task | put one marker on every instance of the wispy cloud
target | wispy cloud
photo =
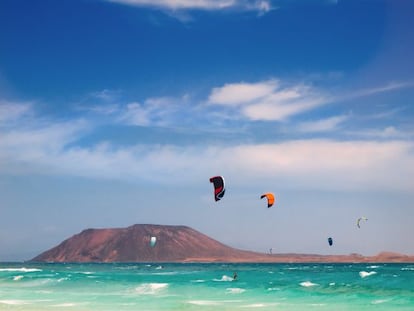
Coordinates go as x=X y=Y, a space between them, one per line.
x=104 y=102
x=328 y=164
x=389 y=132
x=268 y=100
x=389 y=87
x=236 y=94
x=50 y=147
x=386 y=114
x=322 y=125
x=261 y=6
x=11 y=111
x=306 y=164
x=276 y=100
x=161 y=111
x=30 y=149
x=106 y=95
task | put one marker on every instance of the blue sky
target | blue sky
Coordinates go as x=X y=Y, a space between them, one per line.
x=118 y=112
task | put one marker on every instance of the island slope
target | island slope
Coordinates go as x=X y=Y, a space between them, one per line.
x=175 y=244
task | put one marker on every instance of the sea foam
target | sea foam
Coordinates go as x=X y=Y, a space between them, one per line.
x=203 y=302
x=235 y=290
x=308 y=284
x=224 y=278
x=65 y=305
x=150 y=288
x=19 y=270
x=379 y=301
x=261 y=305
x=13 y=302
x=364 y=274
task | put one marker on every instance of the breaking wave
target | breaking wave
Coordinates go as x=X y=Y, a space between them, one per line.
x=308 y=284
x=19 y=270
x=364 y=274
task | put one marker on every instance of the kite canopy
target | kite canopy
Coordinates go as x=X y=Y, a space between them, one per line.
x=218 y=182
x=153 y=241
x=270 y=198
x=330 y=241
x=359 y=221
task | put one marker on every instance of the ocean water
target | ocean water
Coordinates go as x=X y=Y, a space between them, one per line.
x=168 y=286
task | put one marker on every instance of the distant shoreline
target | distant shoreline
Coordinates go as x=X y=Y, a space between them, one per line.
x=304 y=258
x=383 y=258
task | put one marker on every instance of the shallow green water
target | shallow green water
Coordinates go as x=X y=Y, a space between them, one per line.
x=206 y=286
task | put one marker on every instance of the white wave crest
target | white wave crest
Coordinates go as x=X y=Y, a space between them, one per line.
x=13 y=302
x=261 y=305
x=307 y=284
x=256 y=305
x=379 y=301
x=364 y=274
x=19 y=270
x=235 y=290
x=203 y=302
x=224 y=278
x=18 y=277
x=65 y=305
x=150 y=288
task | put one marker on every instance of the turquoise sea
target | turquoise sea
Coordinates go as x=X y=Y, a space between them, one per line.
x=168 y=286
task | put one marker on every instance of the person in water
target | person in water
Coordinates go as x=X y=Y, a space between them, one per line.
x=234 y=276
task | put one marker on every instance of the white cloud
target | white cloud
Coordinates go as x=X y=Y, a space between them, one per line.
x=389 y=87
x=265 y=100
x=385 y=114
x=274 y=100
x=299 y=164
x=322 y=125
x=105 y=109
x=236 y=94
x=260 y=5
x=389 y=132
x=50 y=147
x=10 y=111
x=135 y=114
x=157 y=111
x=106 y=95
x=268 y=100
x=104 y=102
x=271 y=110
x=326 y=164
x=29 y=149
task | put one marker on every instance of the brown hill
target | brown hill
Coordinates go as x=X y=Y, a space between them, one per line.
x=132 y=244
x=175 y=244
